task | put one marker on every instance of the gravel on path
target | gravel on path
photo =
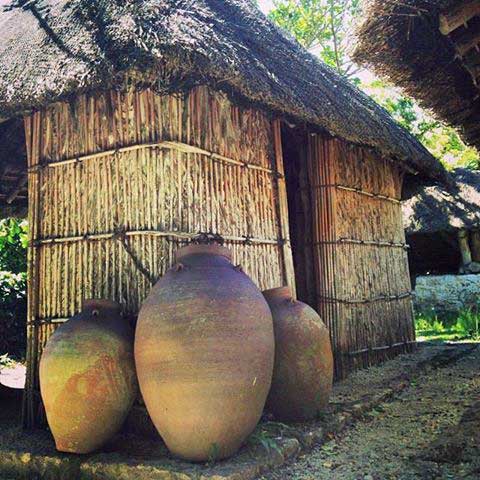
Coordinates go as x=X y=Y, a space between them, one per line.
x=431 y=430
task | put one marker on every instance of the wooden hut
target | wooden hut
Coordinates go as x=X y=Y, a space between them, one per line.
x=147 y=123
x=443 y=232
x=443 y=228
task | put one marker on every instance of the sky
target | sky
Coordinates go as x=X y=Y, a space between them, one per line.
x=265 y=5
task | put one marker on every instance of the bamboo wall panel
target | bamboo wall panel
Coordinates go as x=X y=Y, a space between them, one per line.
x=360 y=259
x=119 y=181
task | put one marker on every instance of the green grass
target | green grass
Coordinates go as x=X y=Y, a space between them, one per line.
x=464 y=326
x=6 y=361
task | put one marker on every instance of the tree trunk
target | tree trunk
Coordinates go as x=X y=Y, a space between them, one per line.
x=464 y=247
x=475 y=245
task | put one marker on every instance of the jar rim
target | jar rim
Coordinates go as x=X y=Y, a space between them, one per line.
x=278 y=292
x=197 y=249
x=100 y=303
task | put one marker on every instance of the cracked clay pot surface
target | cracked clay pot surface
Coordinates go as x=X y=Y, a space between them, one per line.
x=87 y=377
x=303 y=371
x=204 y=351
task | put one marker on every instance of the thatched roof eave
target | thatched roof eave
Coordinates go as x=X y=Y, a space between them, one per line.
x=433 y=210
x=401 y=41
x=51 y=49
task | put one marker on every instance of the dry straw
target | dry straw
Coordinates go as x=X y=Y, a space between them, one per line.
x=352 y=248
x=118 y=181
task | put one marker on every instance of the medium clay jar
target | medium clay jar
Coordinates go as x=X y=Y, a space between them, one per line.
x=87 y=377
x=204 y=351
x=303 y=371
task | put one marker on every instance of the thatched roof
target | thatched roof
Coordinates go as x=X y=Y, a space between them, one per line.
x=431 y=209
x=51 y=49
x=402 y=40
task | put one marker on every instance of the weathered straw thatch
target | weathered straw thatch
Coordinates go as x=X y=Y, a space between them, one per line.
x=432 y=209
x=51 y=49
x=430 y=49
x=443 y=229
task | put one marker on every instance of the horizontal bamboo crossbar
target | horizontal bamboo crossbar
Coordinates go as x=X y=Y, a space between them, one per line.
x=47 y=321
x=166 y=145
x=383 y=298
x=354 y=241
x=382 y=348
x=378 y=196
x=155 y=233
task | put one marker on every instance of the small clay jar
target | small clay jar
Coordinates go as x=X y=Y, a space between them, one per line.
x=204 y=352
x=87 y=377
x=303 y=371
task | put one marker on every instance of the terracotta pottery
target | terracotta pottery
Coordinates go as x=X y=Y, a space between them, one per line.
x=303 y=371
x=87 y=377
x=204 y=350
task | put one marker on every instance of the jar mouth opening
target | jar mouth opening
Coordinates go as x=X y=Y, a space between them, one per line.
x=102 y=303
x=278 y=292
x=197 y=249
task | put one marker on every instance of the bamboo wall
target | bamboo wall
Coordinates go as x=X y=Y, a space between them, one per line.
x=118 y=181
x=352 y=245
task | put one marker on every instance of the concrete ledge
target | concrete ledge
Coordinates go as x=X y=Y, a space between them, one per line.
x=446 y=294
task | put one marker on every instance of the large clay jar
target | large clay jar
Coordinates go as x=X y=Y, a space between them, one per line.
x=204 y=351
x=303 y=371
x=87 y=377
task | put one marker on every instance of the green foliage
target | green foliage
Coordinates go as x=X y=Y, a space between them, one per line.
x=425 y=322
x=13 y=312
x=13 y=301
x=441 y=140
x=6 y=361
x=13 y=245
x=267 y=434
x=468 y=323
x=465 y=325
x=265 y=440
x=321 y=26
x=213 y=454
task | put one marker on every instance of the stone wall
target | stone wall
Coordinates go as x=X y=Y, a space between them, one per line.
x=446 y=293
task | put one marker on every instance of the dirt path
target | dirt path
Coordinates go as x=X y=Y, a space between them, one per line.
x=430 y=431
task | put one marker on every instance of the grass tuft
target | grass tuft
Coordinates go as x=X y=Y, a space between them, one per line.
x=463 y=326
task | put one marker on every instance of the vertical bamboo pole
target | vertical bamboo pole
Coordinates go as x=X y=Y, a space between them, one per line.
x=30 y=400
x=287 y=259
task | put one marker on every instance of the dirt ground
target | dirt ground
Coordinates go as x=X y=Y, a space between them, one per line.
x=431 y=430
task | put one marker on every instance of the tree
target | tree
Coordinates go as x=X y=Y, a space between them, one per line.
x=13 y=301
x=441 y=140
x=321 y=26
x=13 y=245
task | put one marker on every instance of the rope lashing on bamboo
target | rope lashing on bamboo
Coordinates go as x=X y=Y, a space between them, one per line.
x=383 y=298
x=177 y=146
x=379 y=349
x=155 y=233
x=208 y=238
x=378 y=196
x=377 y=243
